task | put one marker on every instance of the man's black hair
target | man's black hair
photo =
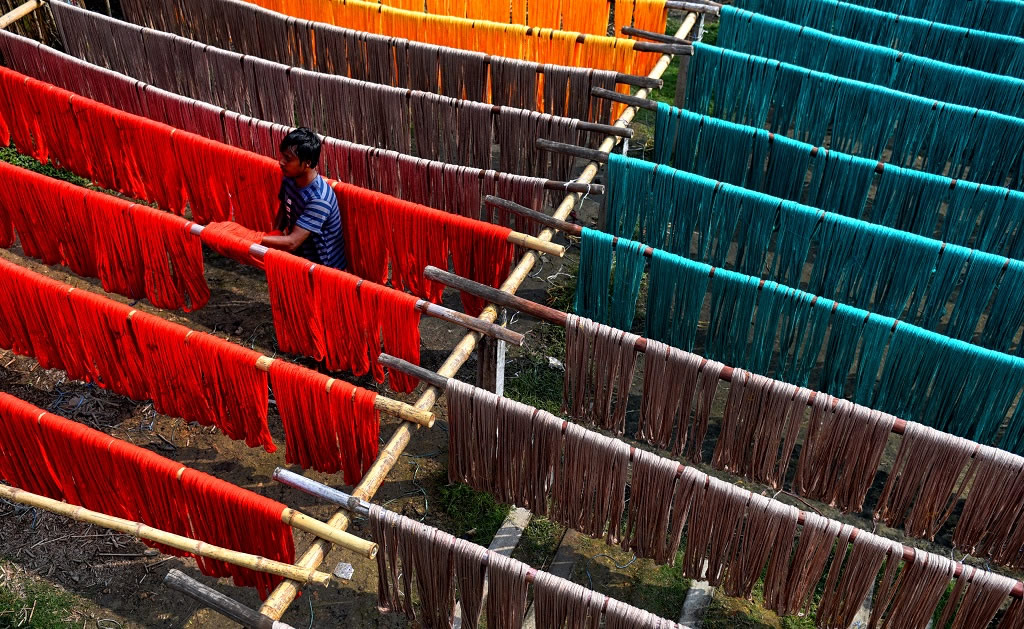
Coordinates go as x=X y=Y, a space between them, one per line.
x=305 y=144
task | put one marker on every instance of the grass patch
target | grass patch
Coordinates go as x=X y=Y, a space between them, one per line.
x=36 y=606
x=11 y=155
x=539 y=543
x=661 y=590
x=473 y=515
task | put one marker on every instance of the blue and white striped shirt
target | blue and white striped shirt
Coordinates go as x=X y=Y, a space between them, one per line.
x=315 y=209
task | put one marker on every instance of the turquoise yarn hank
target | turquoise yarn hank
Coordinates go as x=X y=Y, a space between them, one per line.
x=995 y=16
x=594 y=276
x=989 y=218
x=675 y=298
x=869 y=266
x=807 y=47
x=857 y=117
x=970 y=47
x=629 y=272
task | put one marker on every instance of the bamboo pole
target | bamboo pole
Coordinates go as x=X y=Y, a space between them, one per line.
x=344 y=539
x=19 y=12
x=430 y=309
x=285 y=593
x=143 y=531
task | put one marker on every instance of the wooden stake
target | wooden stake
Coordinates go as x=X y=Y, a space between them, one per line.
x=642 y=103
x=542 y=218
x=225 y=606
x=658 y=37
x=19 y=12
x=143 y=531
x=285 y=593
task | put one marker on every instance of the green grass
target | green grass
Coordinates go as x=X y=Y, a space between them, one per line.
x=10 y=155
x=473 y=515
x=539 y=543
x=37 y=606
x=661 y=590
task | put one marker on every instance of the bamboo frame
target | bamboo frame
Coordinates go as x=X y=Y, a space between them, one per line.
x=285 y=593
x=143 y=531
x=19 y=12
x=225 y=606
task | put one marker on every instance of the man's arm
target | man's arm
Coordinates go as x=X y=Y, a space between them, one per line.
x=287 y=242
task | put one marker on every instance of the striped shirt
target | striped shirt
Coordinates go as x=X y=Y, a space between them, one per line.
x=315 y=209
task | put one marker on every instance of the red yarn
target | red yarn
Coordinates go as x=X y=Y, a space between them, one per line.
x=137 y=156
x=381 y=229
x=297 y=318
x=92 y=339
x=52 y=456
x=334 y=316
x=327 y=431
x=135 y=250
x=232 y=240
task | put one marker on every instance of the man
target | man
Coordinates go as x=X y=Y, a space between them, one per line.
x=308 y=220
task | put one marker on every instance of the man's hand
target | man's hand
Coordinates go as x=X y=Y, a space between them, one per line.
x=287 y=242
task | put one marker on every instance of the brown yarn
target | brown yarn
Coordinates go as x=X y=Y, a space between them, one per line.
x=788 y=589
x=472 y=436
x=1014 y=616
x=670 y=380
x=840 y=454
x=923 y=486
x=425 y=553
x=991 y=522
x=912 y=599
x=506 y=592
x=589 y=491
x=766 y=538
x=852 y=575
x=759 y=428
x=558 y=602
x=659 y=500
x=599 y=362
x=707 y=387
x=985 y=594
x=531 y=444
x=470 y=563
x=715 y=514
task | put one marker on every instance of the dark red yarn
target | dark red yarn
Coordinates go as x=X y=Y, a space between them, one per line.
x=334 y=316
x=380 y=229
x=135 y=250
x=52 y=456
x=327 y=431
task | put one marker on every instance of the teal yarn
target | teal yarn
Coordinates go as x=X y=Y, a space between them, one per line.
x=858 y=118
x=1000 y=331
x=629 y=272
x=595 y=274
x=890 y=272
x=598 y=258
x=919 y=375
x=989 y=218
x=675 y=298
x=994 y=16
x=970 y=46
x=807 y=47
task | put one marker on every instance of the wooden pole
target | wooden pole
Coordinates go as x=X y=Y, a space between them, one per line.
x=143 y=531
x=313 y=488
x=548 y=221
x=285 y=593
x=570 y=186
x=595 y=155
x=223 y=605
x=658 y=37
x=19 y=12
x=642 y=103
x=432 y=310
